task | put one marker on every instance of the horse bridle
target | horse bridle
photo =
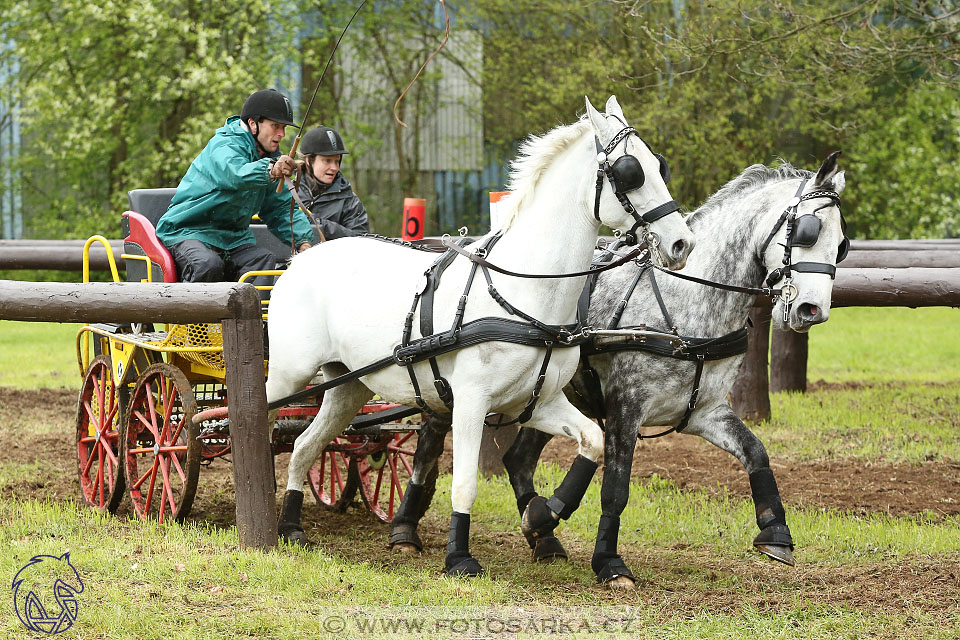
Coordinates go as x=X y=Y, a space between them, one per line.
x=802 y=231
x=626 y=175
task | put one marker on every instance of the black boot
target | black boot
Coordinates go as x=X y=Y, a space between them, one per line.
x=288 y=527
x=403 y=527
x=607 y=563
x=541 y=516
x=459 y=562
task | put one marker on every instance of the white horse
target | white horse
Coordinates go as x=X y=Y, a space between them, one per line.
x=341 y=306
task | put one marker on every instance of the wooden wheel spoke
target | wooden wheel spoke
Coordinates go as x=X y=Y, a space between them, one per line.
x=176 y=465
x=167 y=487
x=142 y=479
x=153 y=481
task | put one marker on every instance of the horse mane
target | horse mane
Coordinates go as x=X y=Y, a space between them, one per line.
x=753 y=177
x=535 y=156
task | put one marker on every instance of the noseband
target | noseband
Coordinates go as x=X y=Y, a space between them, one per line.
x=626 y=175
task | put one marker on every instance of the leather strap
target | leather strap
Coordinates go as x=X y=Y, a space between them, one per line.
x=473 y=257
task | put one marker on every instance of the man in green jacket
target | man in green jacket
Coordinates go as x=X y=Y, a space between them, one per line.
x=207 y=226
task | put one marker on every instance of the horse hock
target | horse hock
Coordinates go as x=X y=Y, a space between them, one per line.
x=542 y=515
x=459 y=562
x=288 y=526
x=774 y=538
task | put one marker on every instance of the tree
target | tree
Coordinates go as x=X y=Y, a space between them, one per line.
x=117 y=95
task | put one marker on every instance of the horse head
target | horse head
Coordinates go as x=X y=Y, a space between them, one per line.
x=631 y=191
x=801 y=253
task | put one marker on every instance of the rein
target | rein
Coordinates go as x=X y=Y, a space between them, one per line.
x=479 y=259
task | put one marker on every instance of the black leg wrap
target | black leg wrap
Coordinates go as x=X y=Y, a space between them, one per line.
x=405 y=533
x=410 y=505
x=288 y=526
x=403 y=527
x=766 y=498
x=548 y=549
x=459 y=562
x=606 y=562
x=566 y=498
x=771 y=517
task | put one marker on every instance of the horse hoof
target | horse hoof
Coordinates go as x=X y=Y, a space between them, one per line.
x=405 y=549
x=549 y=549
x=538 y=520
x=465 y=568
x=620 y=583
x=295 y=538
x=404 y=539
x=780 y=553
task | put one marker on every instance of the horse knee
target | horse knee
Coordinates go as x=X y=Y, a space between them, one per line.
x=591 y=442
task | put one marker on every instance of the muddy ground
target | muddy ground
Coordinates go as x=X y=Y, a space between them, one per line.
x=932 y=488
x=683 y=582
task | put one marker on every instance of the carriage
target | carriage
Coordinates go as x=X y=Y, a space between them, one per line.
x=152 y=404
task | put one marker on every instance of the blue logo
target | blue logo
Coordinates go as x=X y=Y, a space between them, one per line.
x=45 y=594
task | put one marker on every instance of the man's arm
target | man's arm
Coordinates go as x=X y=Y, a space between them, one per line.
x=275 y=213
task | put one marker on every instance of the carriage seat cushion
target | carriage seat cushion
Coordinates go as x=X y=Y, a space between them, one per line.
x=141 y=239
x=151 y=203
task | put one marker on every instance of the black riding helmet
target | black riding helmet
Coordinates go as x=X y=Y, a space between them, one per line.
x=269 y=104
x=322 y=141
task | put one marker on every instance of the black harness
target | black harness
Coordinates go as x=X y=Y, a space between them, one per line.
x=802 y=231
x=669 y=344
x=626 y=175
x=526 y=331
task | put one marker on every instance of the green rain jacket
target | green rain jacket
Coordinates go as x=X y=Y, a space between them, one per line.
x=223 y=188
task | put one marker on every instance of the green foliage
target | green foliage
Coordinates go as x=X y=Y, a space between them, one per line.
x=118 y=95
x=904 y=163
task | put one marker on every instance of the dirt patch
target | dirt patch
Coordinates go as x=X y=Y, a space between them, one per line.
x=688 y=461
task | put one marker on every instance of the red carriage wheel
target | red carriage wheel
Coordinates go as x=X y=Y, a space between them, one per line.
x=384 y=475
x=159 y=444
x=98 y=439
x=334 y=479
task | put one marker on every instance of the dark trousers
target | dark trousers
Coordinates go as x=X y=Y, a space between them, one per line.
x=197 y=262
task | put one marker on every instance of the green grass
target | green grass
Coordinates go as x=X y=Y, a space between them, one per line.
x=38 y=355
x=146 y=580
x=897 y=398
x=886 y=345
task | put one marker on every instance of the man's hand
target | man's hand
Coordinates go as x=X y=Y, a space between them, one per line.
x=303 y=247
x=284 y=166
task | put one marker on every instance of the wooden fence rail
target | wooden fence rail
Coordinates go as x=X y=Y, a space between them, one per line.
x=910 y=287
x=237 y=308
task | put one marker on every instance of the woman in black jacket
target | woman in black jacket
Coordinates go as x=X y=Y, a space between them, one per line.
x=327 y=194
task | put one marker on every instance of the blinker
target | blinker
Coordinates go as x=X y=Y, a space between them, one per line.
x=627 y=173
x=806 y=231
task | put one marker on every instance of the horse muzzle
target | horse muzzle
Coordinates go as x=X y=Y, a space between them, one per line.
x=674 y=256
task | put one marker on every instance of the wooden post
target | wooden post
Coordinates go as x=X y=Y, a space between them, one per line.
x=493 y=444
x=788 y=361
x=253 y=472
x=750 y=396
x=237 y=307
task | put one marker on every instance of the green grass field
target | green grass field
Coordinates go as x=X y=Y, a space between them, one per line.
x=858 y=576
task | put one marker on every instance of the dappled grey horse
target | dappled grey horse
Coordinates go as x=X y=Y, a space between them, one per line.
x=766 y=228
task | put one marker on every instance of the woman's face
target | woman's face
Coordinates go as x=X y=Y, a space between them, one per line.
x=325 y=168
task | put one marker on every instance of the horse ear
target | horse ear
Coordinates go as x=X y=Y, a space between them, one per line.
x=839 y=182
x=613 y=109
x=597 y=120
x=827 y=170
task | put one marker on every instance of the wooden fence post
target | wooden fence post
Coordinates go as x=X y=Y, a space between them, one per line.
x=788 y=361
x=750 y=396
x=254 y=478
x=493 y=444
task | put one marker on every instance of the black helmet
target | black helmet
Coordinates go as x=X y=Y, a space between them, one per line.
x=269 y=104
x=322 y=141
